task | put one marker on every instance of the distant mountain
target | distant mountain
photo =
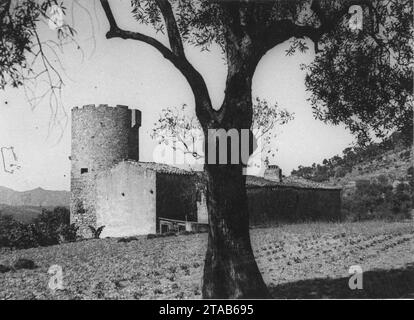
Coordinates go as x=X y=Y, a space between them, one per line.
x=34 y=198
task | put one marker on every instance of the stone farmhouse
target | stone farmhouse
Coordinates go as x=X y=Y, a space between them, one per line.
x=110 y=187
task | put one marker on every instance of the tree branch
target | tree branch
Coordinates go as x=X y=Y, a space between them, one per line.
x=174 y=36
x=283 y=30
x=176 y=56
x=116 y=32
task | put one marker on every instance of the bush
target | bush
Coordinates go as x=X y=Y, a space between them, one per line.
x=340 y=172
x=4 y=268
x=49 y=228
x=48 y=225
x=96 y=233
x=14 y=234
x=377 y=199
x=402 y=198
x=23 y=263
x=127 y=239
x=68 y=233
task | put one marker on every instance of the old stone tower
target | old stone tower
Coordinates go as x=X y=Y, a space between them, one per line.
x=102 y=136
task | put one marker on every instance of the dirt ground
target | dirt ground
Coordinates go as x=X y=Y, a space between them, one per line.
x=297 y=261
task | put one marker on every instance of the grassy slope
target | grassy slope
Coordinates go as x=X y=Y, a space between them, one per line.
x=392 y=164
x=306 y=260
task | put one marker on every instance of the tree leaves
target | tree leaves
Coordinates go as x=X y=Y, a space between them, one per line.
x=364 y=79
x=176 y=127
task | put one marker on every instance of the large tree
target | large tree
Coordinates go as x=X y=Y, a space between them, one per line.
x=246 y=31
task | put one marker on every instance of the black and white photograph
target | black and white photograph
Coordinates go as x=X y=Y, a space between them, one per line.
x=181 y=151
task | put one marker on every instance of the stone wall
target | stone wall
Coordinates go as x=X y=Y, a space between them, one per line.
x=101 y=137
x=126 y=200
x=269 y=205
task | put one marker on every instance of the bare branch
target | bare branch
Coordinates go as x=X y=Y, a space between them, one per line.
x=204 y=108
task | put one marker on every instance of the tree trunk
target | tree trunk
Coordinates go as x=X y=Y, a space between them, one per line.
x=230 y=269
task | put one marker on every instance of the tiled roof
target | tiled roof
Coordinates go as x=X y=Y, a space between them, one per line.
x=161 y=167
x=251 y=181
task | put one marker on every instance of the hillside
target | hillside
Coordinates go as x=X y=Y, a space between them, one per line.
x=392 y=164
x=27 y=205
x=36 y=198
x=391 y=158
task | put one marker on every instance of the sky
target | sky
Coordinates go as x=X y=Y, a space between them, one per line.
x=128 y=72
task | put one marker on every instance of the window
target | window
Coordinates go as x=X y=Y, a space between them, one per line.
x=79 y=208
x=84 y=170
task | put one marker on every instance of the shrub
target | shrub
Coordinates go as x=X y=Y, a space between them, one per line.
x=14 y=234
x=377 y=199
x=341 y=172
x=96 y=233
x=7 y=226
x=48 y=225
x=68 y=233
x=4 y=269
x=402 y=198
x=49 y=228
x=23 y=263
x=127 y=239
